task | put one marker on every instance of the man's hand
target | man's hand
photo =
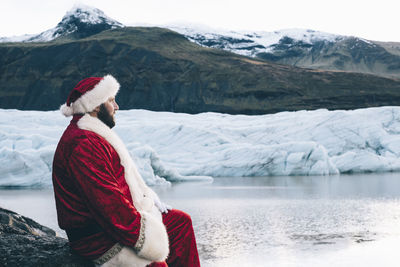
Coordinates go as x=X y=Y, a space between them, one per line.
x=162 y=207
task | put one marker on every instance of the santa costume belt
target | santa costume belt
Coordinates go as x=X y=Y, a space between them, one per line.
x=75 y=234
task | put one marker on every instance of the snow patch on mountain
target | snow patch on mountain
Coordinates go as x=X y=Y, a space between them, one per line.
x=80 y=17
x=250 y=43
x=15 y=39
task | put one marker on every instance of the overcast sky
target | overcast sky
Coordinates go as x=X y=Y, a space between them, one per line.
x=373 y=20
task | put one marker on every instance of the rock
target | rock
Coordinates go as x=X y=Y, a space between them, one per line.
x=24 y=242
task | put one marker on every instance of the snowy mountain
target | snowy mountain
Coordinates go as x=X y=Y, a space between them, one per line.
x=297 y=47
x=161 y=70
x=253 y=43
x=171 y=147
x=303 y=48
x=81 y=21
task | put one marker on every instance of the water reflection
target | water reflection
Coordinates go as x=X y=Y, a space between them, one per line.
x=340 y=186
x=292 y=221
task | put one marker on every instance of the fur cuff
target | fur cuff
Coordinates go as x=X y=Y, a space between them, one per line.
x=126 y=257
x=155 y=246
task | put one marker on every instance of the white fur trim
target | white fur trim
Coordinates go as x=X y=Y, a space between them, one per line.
x=137 y=186
x=66 y=110
x=105 y=89
x=155 y=246
x=126 y=258
x=147 y=203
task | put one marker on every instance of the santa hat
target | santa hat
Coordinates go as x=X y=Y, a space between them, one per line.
x=90 y=93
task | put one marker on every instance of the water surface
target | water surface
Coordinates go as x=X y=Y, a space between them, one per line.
x=347 y=220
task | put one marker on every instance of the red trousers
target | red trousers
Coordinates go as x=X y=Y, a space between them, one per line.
x=182 y=243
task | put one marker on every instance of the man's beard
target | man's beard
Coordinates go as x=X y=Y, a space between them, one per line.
x=105 y=116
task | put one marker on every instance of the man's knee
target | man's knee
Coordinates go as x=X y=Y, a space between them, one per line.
x=180 y=216
x=186 y=218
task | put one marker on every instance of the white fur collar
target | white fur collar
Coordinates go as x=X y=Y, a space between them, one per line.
x=142 y=196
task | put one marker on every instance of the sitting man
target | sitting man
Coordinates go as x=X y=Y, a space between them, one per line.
x=109 y=214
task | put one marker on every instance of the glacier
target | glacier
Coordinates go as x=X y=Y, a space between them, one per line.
x=169 y=147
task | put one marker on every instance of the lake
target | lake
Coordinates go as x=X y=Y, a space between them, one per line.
x=346 y=220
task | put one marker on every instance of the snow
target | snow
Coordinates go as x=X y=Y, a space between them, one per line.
x=83 y=13
x=170 y=147
x=45 y=36
x=90 y=15
x=14 y=39
x=249 y=39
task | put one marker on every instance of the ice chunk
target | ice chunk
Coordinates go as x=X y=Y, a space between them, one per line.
x=170 y=147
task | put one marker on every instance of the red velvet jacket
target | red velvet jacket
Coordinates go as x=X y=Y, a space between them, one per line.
x=90 y=187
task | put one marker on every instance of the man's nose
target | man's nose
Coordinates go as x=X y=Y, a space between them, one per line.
x=116 y=107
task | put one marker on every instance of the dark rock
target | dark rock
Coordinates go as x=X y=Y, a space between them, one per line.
x=24 y=242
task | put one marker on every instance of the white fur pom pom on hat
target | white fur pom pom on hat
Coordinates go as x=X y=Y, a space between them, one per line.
x=66 y=110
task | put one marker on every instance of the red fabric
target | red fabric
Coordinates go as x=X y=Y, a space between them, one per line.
x=89 y=186
x=81 y=88
x=182 y=242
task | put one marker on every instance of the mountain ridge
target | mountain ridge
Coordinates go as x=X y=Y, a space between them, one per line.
x=305 y=48
x=297 y=47
x=161 y=70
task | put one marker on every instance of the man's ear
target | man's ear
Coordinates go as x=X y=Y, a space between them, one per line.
x=95 y=111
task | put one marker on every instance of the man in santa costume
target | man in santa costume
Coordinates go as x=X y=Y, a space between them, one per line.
x=109 y=214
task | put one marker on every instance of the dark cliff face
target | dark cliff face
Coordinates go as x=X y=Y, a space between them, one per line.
x=161 y=70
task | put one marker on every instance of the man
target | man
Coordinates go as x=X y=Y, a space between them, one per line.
x=109 y=214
